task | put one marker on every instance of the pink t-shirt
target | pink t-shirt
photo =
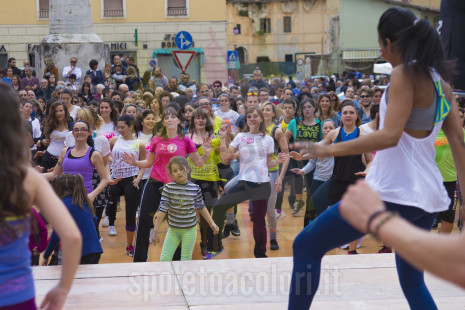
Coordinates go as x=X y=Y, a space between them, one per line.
x=164 y=150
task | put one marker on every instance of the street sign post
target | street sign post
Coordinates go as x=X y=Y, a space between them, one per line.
x=232 y=59
x=152 y=63
x=183 y=59
x=183 y=40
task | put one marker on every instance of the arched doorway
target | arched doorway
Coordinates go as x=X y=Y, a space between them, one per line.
x=243 y=55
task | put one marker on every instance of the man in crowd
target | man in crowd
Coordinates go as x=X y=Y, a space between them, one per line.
x=29 y=80
x=12 y=65
x=159 y=79
x=72 y=69
x=44 y=91
x=186 y=83
x=258 y=82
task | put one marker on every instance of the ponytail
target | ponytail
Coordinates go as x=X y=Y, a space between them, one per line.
x=416 y=40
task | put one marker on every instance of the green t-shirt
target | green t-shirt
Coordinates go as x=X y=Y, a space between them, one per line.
x=444 y=158
x=302 y=132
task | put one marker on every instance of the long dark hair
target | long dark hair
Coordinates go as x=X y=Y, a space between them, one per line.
x=114 y=112
x=90 y=140
x=416 y=40
x=140 y=119
x=180 y=130
x=199 y=112
x=72 y=184
x=13 y=161
x=51 y=122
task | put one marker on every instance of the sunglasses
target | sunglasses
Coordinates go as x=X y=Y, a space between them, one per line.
x=73 y=62
x=365 y=96
x=217 y=86
x=117 y=66
x=252 y=94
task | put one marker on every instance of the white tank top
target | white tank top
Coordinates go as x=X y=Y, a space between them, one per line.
x=120 y=168
x=407 y=173
x=57 y=142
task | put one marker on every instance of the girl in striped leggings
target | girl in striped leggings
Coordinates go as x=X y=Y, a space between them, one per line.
x=180 y=199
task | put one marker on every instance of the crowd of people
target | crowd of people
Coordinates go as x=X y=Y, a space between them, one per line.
x=194 y=151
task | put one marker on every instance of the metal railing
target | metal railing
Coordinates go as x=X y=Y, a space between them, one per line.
x=177 y=11
x=113 y=13
x=43 y=14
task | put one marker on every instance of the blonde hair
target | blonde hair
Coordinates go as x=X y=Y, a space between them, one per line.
x=91 y=117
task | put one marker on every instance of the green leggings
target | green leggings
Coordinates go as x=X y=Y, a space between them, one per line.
x=173 y=237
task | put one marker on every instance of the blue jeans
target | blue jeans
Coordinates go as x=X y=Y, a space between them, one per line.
x=330 y=230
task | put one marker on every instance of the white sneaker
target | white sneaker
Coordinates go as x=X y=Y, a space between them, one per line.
x=112 y=231
x=101 y=239
x=150 y=236
x=280 y=215
x=346 y=246
x=105 y=222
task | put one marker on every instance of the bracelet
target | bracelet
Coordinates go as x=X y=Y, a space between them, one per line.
x=382 y=222
x=372 y=217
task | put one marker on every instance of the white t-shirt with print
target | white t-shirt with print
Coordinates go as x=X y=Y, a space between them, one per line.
x=253 y=153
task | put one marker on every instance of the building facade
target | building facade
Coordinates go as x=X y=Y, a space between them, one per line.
x=314 y=36
x=144 y=30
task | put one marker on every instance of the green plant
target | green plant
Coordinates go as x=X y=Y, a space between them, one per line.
x=244 y=13
x=259 y=5
x=260 y=33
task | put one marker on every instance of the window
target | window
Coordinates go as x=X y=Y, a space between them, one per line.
x=113 y=8
x=177 y=8
x=32 y=59
x=265 y=25
x=288 y=58
x=43 y=7
x=3 y=60
x=287 y=24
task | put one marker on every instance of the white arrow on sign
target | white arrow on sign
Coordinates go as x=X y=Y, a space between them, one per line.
x=184 y=41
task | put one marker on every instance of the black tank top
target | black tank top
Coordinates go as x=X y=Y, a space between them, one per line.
x=345 y=167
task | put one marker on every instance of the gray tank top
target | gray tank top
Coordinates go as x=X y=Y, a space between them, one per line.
x=421 y=118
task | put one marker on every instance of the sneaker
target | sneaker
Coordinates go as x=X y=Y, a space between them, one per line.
x=105 y=222
x=385 y=249
x=280 y=215
x=112 y=231
x=130 y=250
x=235 y=231
x=212 y=254
x=101 y=239
x=274 y=245
x=344 y=247
x=298 y=205
x=227 y=230
x=352 y=252
x=150 y=235
x=203 y=250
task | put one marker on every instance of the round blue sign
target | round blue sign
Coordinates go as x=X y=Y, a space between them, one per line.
x=183 y=40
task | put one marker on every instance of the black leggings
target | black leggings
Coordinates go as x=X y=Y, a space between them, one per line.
x=150 y=201
x=131 y=196
x=48 y=161
x=449 y=215
x=89 y=259
x=210 y=195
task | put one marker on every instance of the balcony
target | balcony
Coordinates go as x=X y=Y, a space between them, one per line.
x=113 y=13
x=178 y=11
x=43 y=14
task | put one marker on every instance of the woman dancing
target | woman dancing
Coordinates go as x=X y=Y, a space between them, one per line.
x=412 y=111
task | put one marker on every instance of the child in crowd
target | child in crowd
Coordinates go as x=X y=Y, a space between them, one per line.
x=70 y=188
x=180 y=199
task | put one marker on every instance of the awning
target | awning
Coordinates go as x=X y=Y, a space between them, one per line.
x=165 y=51
x=360 y=54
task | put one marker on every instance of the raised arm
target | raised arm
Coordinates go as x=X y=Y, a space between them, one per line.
x=442 y=255
x=56 y=214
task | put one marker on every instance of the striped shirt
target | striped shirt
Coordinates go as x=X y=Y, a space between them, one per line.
x=180 y=201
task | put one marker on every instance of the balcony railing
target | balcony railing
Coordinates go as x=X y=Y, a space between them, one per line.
x=43 y=14
x=177 y=11
x=113 y=13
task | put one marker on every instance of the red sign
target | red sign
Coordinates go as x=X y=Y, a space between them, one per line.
x=183 y=58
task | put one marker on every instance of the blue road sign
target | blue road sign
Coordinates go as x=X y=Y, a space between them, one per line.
x=183 y=40
x=232 y=59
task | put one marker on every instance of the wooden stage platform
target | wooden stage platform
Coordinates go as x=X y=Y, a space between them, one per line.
x=347 y=282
